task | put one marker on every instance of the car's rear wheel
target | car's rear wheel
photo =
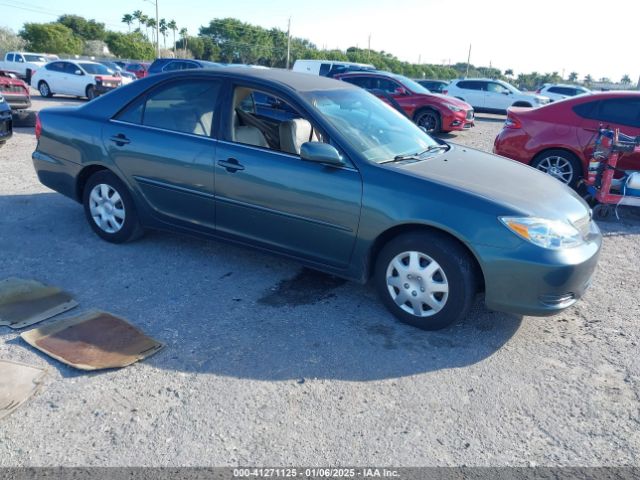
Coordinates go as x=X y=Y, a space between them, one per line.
x=429 y=120
x=109 y=208
x=45 y=91
x=425 y=279
x=560 y=164
x=91 y=92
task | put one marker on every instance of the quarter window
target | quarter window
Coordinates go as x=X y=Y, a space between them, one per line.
x=10 y=57
x=625 y=111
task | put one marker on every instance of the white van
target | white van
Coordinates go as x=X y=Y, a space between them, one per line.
x=327 y=67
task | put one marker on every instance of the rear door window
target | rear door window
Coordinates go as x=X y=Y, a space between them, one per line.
x=468 y=85
x=325 y=68
x=10 y=57
x=360 y=81
x=187 y=106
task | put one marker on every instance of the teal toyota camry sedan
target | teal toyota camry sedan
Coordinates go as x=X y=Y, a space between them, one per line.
x=325 y=173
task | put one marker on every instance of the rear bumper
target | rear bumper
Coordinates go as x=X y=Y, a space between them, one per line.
x=18 y=102
x=538 y=282
x=58 y=175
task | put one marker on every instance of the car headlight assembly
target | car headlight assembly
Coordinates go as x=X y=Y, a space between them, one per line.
x=545 y=233
x=453 y=108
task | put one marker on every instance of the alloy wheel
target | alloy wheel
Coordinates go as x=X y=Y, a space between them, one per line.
x=558 y=167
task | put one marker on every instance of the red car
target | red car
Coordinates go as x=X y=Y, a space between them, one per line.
x=139 y=69
x=14 y=90
x=558 y=138
x=435 y=113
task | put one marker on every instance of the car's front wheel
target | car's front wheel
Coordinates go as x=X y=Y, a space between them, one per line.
x=109 y=208
x=429 y=120
x=45 y=91
x=91 y=92
x=426 y=279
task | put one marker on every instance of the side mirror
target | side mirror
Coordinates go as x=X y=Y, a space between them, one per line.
x=78 y=72
x=400 y=91
x=321 y=153
x=506 y=92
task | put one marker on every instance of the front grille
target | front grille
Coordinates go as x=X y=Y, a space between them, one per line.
x=11 y=89
x=470 y=115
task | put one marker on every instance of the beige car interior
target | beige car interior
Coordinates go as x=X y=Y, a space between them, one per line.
x=291 y=134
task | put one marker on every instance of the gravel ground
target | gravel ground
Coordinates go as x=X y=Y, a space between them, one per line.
x=269 y=364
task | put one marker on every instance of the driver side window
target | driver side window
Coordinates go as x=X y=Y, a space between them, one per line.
x=263 y=120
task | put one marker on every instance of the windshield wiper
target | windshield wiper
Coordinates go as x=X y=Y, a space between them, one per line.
x=418 y=155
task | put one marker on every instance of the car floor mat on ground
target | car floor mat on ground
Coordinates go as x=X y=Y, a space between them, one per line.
x=17 y=383
x=93 y=341
x=25 y=302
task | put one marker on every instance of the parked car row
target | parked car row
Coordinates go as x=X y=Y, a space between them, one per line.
x=323 y=172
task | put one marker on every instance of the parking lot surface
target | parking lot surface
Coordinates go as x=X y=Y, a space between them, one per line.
x=270 y=364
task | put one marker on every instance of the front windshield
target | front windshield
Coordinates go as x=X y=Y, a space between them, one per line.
x=96 y=69
x=412 y=85
x=34 y=58
x=510 y=87
x=375 y=129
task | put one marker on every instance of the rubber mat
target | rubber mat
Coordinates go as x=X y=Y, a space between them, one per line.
x=25 y=302
x=17 y=383
x=93 y=341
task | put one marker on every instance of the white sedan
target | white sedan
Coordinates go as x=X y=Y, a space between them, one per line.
x=79 y=78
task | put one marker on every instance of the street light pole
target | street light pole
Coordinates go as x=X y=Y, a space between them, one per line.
x=157 y=31
x=288 y=42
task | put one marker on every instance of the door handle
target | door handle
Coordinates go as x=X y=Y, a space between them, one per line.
x=231 y=165
x=120 y=139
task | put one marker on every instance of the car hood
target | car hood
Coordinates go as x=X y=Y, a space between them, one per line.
x=502 y=181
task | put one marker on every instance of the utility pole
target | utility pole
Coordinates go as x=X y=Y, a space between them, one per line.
x=468 y=61
x=369 y=48
x=288 y=41
x=157 y=30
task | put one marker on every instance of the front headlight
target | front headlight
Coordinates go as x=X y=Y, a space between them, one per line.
x=545 y=233
x=453 y=108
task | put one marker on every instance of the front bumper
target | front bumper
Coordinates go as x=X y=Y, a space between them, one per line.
x=101 y=89
x=534 y=281
x=6 y=125
x=456 y=121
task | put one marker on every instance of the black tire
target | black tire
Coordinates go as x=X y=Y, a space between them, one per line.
x=543 y=159
x=429 y=120
x=44 y=89
x=24 y=118
x=124 y=230
x=456 y=269
x=91 y=92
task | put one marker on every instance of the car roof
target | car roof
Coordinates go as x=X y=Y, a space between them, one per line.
x=302 y=82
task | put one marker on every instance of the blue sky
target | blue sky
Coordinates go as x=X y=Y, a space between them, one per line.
x=545 y=36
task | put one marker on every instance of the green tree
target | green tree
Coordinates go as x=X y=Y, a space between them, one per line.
x=588 y=79
x=185 y=37
x=130 y=45
x=51 y=38
x=128 y=19
x=10 y=41
x=83 y=28
x=626 y=80
x=138 y=16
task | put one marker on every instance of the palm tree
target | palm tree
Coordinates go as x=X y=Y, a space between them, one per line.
x=145 y=22
x=163 y=31
x=138 y=16
x=151 y=23
x=573 y=77
x=128 y=19
x=173 y=27
x=626 y=80
x=508 y=72
x=184 y=35
x=588 y=79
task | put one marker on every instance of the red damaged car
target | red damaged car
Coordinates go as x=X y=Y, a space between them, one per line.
x=558 y=138
x=435 y=113
x=15 y=91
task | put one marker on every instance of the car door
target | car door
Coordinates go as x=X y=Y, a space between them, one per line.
x=52 y=73
x=497 y=97
x=76 y=80
x=164 y=145
x=620 y=112
x=274 y=199
x=472 y=92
